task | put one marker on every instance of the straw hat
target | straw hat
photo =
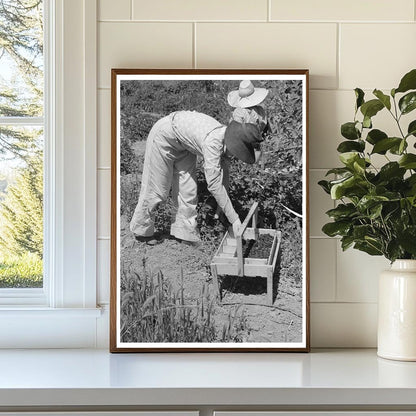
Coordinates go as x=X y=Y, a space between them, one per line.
x=246 y=95
x=241 y=139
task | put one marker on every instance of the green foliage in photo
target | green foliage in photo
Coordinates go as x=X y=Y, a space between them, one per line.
x=21 y=212
x=24 y=271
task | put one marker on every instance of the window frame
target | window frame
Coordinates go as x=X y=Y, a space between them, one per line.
x=67 y=302
x=38 y=296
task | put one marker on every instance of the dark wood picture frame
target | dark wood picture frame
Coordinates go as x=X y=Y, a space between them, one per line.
x=239 y=265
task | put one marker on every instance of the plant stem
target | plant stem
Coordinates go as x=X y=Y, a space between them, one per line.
x=397 y=118
x=385 y=228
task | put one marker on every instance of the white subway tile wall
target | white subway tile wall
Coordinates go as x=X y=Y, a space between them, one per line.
x=345 y=44
x=352 y=10
x=328 y=109
x=114 y=10
x=200 y=10
x=375 y=55
x=103 y=270
x=104 y=128
x=322 y=269
x=357 y=275
x=104 y=202
x=144 y=45
x=270 y=45
x=343 y=325
x=319 y=203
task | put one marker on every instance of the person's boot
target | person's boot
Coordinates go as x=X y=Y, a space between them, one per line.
x=150 y=240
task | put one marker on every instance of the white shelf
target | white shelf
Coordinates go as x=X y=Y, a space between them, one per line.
x=56 y=378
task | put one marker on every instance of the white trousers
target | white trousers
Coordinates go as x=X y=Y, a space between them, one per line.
x=167 y=165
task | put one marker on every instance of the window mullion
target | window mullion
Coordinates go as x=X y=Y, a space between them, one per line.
x=22 y=121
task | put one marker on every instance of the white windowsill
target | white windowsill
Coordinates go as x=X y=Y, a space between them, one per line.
x=59 y=378
x=36 y=312
x=23 y=297
x=42 y=327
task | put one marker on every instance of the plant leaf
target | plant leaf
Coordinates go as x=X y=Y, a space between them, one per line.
x=325 y=186
x=393 y=250
x=407 y=239
x=385 y=144
x=385 y=99
x=338 y=171
x=359 y=95
x=349 y=146
x=368 y=201
x=371 y=108
x=411 y=130
x=399 y=148
x=359 y=165
x=346 y=242
x=367 y=122
x=408 y=161
x=367 y=248
x=408 y=82
x=411 y=182
x=402 y=147
x=342 y=211
x=375 y=136
x=349 y=131
x=375 y=211
x=336 y=228
x=390 y=170
x=348 y=158
x=408 y=102
x=339 y=189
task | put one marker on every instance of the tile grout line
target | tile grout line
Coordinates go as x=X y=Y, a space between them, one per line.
x=269 y=10
x=194 y=63
x=338 y=64
x=308 y=22
x=131 y=9
x=319 y=169
x=337 y=242
x=195 y=21
x=336 y=271
x=355 y=302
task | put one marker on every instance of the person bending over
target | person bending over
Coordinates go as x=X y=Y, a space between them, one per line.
x=172 y=148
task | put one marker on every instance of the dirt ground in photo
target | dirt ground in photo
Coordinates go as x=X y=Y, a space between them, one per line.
x=244 y=299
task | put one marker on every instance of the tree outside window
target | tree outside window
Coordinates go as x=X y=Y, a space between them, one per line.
x=21 y=143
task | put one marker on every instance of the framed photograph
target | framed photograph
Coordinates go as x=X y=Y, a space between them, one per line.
x=209 y=211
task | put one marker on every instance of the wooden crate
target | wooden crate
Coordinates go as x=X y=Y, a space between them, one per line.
x=229 y=260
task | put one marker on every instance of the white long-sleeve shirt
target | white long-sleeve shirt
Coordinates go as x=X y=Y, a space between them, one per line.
x=203 y=136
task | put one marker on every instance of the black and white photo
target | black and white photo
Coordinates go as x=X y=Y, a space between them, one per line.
x=209 y=244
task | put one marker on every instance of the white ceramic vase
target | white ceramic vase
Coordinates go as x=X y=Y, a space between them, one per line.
x=397 y=312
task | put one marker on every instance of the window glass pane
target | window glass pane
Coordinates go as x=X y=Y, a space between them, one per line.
x=21 y=58
x=21 y=208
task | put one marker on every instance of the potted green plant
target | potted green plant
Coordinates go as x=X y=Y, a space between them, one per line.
x=376 y=207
